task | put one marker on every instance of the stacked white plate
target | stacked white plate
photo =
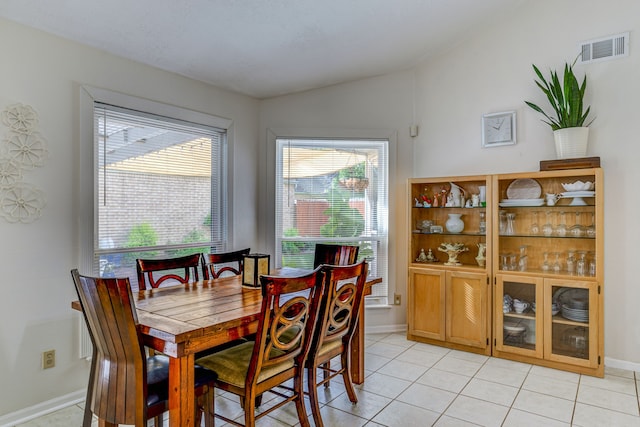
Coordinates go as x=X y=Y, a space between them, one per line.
x=513 y=329
x=574 y=303
x=505 y=203
x=575 y=314
x=578 y=194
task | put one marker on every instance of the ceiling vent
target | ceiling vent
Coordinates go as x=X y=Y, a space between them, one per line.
x=605 y=48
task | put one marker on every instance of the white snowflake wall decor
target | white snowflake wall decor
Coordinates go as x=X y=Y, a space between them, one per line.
x=22 y=148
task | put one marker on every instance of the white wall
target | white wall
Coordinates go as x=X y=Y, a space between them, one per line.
x=46 y=72
x=492 y=72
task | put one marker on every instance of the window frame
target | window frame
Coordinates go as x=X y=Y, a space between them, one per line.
x=268 y=220
x=88 y=166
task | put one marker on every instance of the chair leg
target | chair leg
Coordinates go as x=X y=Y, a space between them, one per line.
x=346 y=377
x=248 y=404
x=326 y=373
x=209 y=408
x=88 y=415
x=298 y=389
x=312 y=381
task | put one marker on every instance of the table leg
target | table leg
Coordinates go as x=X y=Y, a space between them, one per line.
x=181 y=391
x=357 y=350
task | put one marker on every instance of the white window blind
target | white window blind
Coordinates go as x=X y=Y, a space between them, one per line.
x=160 y=189
x=333 y=191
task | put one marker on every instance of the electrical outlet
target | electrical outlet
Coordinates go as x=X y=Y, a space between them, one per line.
x=396 y=299
x=48 y=359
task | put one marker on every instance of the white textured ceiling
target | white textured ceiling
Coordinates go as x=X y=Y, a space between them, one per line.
x=265 y=48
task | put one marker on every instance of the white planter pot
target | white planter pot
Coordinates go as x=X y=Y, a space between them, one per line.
x=571 y=142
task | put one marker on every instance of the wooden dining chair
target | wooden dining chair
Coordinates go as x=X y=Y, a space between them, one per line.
x=287 y=318
x=125 y=386
x=336 y=324
x=227 y=263
x=171 y=267
x=334 y=254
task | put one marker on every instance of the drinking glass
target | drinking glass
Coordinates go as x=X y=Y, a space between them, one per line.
x=581 y=264
x=504 y=262
x=523 y=261
x=502 y=224
x=590 y=230
x=510 y=227
x=557 y=266
x=545 y=262
x=483 y=224
x=534 y=229
x=571 y=262
x=576 y=229
x=592 y=264
x=561 y=229
x=547 y=228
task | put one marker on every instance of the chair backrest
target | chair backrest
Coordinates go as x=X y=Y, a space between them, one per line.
x=287 y=318
x=335 y=254
x=119 y=362
x=340 y=303
x=213 y=265
x=147 y=267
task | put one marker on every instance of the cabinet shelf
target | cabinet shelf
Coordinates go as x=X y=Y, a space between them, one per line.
x=564 y=321
x=542 y=236
x=445 y=233
x=541 y=273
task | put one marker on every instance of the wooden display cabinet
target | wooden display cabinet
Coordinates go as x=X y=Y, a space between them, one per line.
x=551 y=256
x=449 y=303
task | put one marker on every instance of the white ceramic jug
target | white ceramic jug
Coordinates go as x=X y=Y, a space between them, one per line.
x=457 y=195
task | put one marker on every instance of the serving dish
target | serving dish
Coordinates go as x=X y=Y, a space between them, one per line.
x=526 y=188
x=578 y=186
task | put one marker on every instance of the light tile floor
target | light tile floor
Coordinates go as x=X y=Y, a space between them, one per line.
x=414 y=384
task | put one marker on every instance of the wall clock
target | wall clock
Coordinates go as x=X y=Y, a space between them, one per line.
x=499 y=129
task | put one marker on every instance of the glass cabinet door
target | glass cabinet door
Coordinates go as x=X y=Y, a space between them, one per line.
x=519 y=310
x=572 y=332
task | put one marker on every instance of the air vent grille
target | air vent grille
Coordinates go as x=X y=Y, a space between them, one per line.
x=604 y=48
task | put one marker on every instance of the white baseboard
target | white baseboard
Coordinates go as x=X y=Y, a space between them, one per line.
x=43 y=408
x=385 y=329
x=621 y=364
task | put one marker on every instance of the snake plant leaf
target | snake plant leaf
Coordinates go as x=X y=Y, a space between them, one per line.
x=566 y=98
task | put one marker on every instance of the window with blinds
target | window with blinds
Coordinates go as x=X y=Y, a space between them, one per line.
x=160 y=189
x=333 y=191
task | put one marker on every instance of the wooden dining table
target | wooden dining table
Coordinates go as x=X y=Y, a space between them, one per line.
x=182 y=320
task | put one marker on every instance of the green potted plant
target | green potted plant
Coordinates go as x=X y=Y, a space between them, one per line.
x=567 y=100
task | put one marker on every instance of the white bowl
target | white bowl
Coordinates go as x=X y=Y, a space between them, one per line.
x=578 y=186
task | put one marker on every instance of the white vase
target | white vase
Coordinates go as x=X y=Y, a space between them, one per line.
x=454 y=224
x=571 y=142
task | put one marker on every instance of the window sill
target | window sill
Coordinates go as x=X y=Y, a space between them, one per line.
x=378 y=306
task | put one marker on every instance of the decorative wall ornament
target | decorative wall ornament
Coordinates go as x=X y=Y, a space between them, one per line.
x=27 y=149
x=10 y=173
x=21 y=149
x=20 y=118
x=21 y=203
